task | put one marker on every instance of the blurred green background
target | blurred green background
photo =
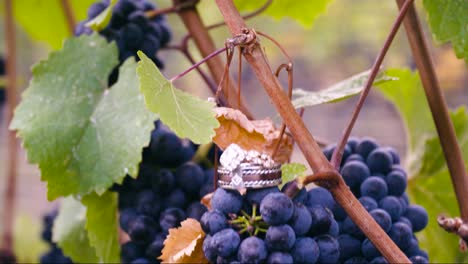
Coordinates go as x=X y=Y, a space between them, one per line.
x=342 y=42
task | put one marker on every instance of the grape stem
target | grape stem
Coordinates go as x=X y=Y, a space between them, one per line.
x=439 y=109
x=69 y=15
x=338 y=152
x=12 y=99
x=256 y=58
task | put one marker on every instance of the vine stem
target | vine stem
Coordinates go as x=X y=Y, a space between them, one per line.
x=207 y=58
x=12 y=99
x=205 y=45
x=338 y=153
x=439 y=109
x=69 y=16
x=256 y=58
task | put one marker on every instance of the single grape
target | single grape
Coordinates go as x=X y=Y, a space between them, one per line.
x=382 y=218
x=95 y=9
x=406 y=221
x=176 y=198
x=225 y=242
x=356 y=260
x=419 y=260
x=369 y=203
x=349 y=246
x=164 y=182
x=329 y=249
x=142 y=229
x=280 y=258
x=130 y=251
x=226 y=201
x=392 y=205
x=418 y=217
x=334 y=230
x=394 y=153
x=190 y=177
x=369 y=250
x=148 y=203
x=280 y=238
x=213 y=221
x=319 y=196
x=208 y=250
x=321 y=220
x=379 y=260
x=379 y=161
x=171 y=217
x=305 y=250
x=300 y=220
x=354 y=173
x=396 y=182
x=349 y=227
x=353 y=143
x=366 y=146
x=141 y=261
x=374 y=187
x=153 y=251
x=401 y=234
x=354 y=157
x=196 y=210
x=276 y=208
x=125 y=217
x=413 y=248
x=338 y=212
x=255 y=196
x=252 y=250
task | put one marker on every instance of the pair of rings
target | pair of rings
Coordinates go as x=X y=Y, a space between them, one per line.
x=248 y=175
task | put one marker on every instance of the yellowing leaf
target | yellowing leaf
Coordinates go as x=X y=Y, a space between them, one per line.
x=259 y=135
x=184 y=244
x=185 y=114
x=103 y=19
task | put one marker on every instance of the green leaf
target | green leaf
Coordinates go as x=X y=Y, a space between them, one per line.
x=429 y=183
x=186 y=115
x=291 y=171
x=70 y=234
x=45 y=20
x=449 y=22
x=102 y=226
x=303 y=11
x=102 y=20
x=337 y=92
x=28 y=246
x=84 y=136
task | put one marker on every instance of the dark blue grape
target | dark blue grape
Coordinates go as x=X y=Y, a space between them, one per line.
x=168 y=150
x=125 y=217
x=208 y=250
x=396 y=182
x=225 y=242
x=142 y=229
x=338 y=212
x=413 y=248
x=252 y=250
x=141 y=261
x=334 y=230
x=379 y=161
x=196 y=210
x=280 y=258
x=276 y=208
x=226 y=201
x=419 y=260
x=176 y=198
x=401 y=234
x=131 y=251
x=418 y=217
x=171 y=218
x=405 y=221
x=404 y=200
x=399 y=168
x=382 y=218
x=394 y=153
x=379 y=260
x=190 y=177
x=392 y=205
x=319 y=196
x=55 y=255
x=300 y=220
x=148 y=203
x=213 y=221
x=255 y=196
x=153 y=251
x=349 y=246
x=329 y=249
x=369 y=250
x=356 y=260
x=366 y=146
x=163 y=182
x=305 y=250
x=280 y=238
x=95 y=9
x=355 y=157
x=354 y=173
x=206 y=189
x=321 y=220
x=374 y=187
x=369 y=203
x=353 y=143
x=349 y=227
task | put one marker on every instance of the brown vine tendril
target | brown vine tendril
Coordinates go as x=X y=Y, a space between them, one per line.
x=172 y=9
x=338 y=153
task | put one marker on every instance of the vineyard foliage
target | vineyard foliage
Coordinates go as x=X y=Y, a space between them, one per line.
x=86 y=136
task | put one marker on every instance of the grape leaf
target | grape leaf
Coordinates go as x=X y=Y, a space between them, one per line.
x=102 y=225
x=103 y=19
x=184 y=244
x=429 y=183
x=83 y=136
x=291 y=171
x=260 y=135
x=303 y=11
x=24 y=227
x=45 y=20
x=70 y=234
x=337 y=92
x=186 y=115
x=449 y=22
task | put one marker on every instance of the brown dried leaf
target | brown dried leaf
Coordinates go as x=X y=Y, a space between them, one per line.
x=259 y=135
x=206 y=200
x=184 y=244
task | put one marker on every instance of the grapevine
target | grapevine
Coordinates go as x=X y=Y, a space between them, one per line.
x=146 y=172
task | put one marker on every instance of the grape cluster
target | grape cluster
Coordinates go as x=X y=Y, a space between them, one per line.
x=167 y=190
x=131 y=29
x=267 y=226
x=55 y=254
x=375 y=176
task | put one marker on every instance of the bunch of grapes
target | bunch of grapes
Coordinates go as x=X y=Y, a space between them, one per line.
x=55 y=254
x=268 y=226
x=168 y=190
x=131 y=29
x=375 y=176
